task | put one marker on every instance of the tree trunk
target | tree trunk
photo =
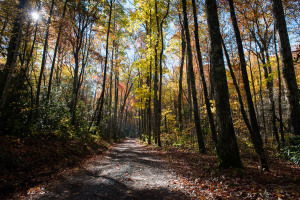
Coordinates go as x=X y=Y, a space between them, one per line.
x=160 y=68
x=270 y=84
x=253 y=84
x=12 y=52
x=101 y=99
x=183 y=48
x=55 y=51
x=227 y=149
x=261 y=96
x=287 y=66
x=149 y=81
x=279 y=93
x=189 y=91
x=255 y=132
x=236 y=85
x=122 y=108
x=33 y=44
x=206 y=97
x=156 y=100
x=110 y=95
x=114 y=136
x=192 y=80
x=44 y=55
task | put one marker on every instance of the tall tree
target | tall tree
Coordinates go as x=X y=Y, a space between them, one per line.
x=55 y=50
x=12 y=52
x=227 y=149
x=157 y=116
x=254 y=131
x=192 y=79
x=37 y=102
x=160 y=64
x=101 y=99
x=287 y=66
x=200 y=63
x=83 y=17
x=149 y=77
x=279 y=92
x=183 y=48
x=115 y=131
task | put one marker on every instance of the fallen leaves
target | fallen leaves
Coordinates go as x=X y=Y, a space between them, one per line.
x=36 y=190
x=34 y=160
x=199 y=176
x=130 y=179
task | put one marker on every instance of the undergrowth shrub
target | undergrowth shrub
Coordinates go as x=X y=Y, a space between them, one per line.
x=292 y=152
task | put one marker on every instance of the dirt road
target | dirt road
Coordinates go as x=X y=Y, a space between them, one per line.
x=127 y=171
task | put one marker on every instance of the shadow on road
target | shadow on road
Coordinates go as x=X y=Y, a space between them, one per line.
x=128 y=171
x=112 y=190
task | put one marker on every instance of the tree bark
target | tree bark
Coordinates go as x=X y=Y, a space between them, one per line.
x=287 y=66
x=206 y=97
x=101 y=99
x=55 y=51
x=192 y=80
x=227 y=149
x=261 y=96
x=155 y=86
x=12 y=52
x=270 y=87
x=254 y=130
x=114 y=136
x=37 y=102
x=183 y=48
x=236 y=85
x=149 y=82
x=279 y=93
x=160 y=67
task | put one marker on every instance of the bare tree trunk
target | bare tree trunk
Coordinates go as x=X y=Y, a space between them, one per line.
x=206 y=97
x=12 y=53
x=101 y=99
x=287 y=66
x=227 y=148
x=192 y=79
x=37 y=102
x=254 y=129
x=113 y=67
x=33 y=44
x=253 y=84
x=160 y=68
x=55 y=51
x=261 y=97
x=156 y=100
x=110 y=95
x=270 y=87
x=189 y=90
x=116 y=101
x=279 y=93
x=183 y=48
x=236 y=85
x=122 y=108
x=149 y=81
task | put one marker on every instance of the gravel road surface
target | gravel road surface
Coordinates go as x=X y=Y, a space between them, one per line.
x=127 y=171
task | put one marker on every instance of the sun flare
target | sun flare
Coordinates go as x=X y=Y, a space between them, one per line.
x=35 y=15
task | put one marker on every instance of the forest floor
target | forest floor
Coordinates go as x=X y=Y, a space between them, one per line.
x=27 y=162
x=131 y=170
x=203 y=180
